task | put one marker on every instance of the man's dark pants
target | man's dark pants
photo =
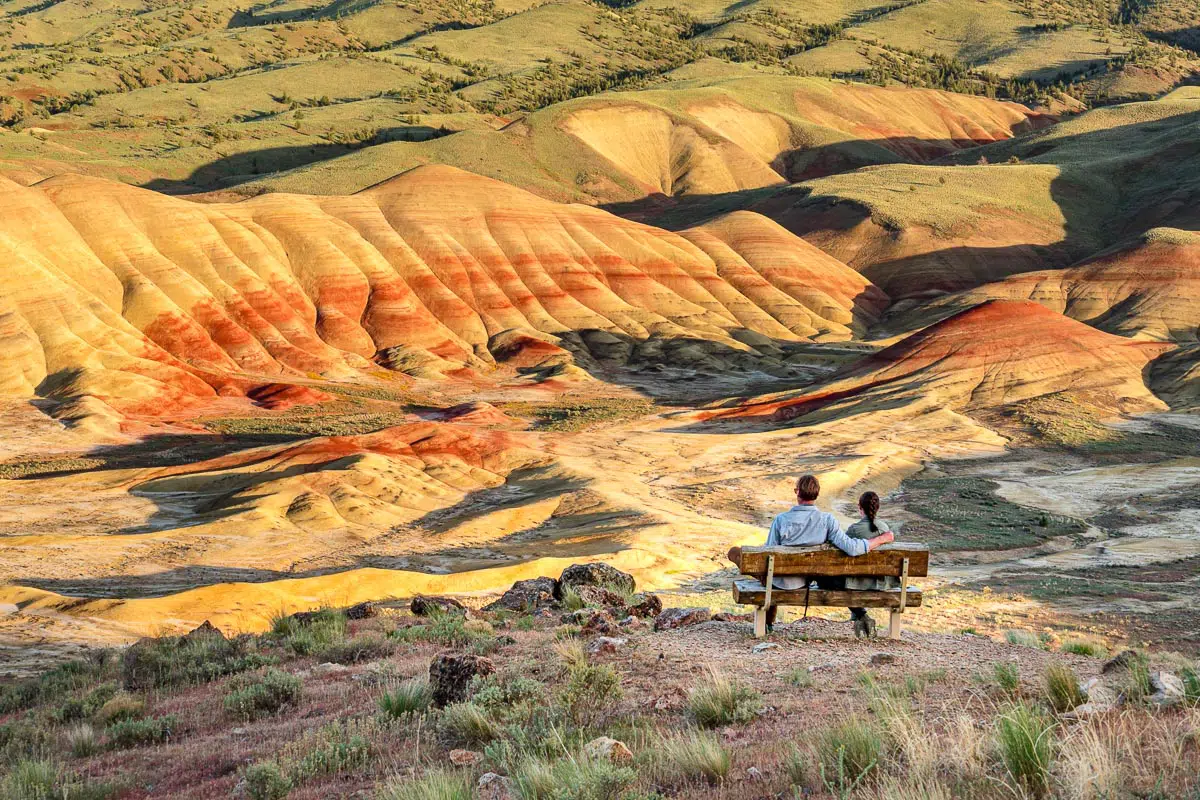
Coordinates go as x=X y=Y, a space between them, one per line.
x=830 y=584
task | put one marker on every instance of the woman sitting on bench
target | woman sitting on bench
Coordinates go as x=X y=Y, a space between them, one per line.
x=805 y=524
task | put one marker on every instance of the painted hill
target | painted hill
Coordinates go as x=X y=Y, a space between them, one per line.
x=1144 y=288
x=994 y=354
x=151 y=303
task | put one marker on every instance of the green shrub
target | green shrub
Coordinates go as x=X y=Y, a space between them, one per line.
x=52 y=684
x=77 y=708
x=590 y=688
x=574 y=778
x=24 y=739
x=467 y=724
x=31 y=780
x=1025 y=740
x=433 y=785
x=310 y=634
x=360 y=649
x=723 y=701
x=800 y=677
x=694 y=755
x=119 y=707
x=847 y=753
x=1062 y=688
x=337 y=747
x=1007 y=677
x=133 y=732
x=505 y=691
x=1084 y=647
x=179 y=661
x=265 y=781
x=266 y=694
x=410 y=697
x=449 y=630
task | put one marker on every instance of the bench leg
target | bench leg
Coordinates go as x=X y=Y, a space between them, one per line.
x=760 y=622
x=894 y=624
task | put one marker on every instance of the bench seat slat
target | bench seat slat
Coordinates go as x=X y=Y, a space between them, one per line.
x=751 y=592
x=828 y=561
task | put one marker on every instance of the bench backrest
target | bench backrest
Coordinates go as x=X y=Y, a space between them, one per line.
x=826 y=560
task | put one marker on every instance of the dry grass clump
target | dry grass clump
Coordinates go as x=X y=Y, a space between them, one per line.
x=575 y=777
x=466 y=724
x=1084 y=647
x=721 y=700
x=82 y=741
x=847 y=753
x=1025 y=740
x=1062 y=688
x=1007 y=677
x=693 y=755
x=407 y=699
x=433 y=785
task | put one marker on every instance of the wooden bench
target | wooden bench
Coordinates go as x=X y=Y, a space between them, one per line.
x=763 y=564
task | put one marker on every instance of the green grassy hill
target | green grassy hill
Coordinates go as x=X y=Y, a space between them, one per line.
x=186 y=95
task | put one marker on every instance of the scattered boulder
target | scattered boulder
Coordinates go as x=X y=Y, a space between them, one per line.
x=1121 y=662
x=205 y=630
x=606 y=749
x=646 y=605
x=450 y=676
x=606 y=645
x=880 y=659
x=1168 y=690
x=600 y=596
x=495 y=787
x=465 y=758
x=362 y=611
x=601 y=623
x=673 y=618
x=426 y=606
x=596 y=574
x=526 y=596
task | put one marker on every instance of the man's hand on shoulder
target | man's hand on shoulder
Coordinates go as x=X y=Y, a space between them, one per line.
x=884 y=538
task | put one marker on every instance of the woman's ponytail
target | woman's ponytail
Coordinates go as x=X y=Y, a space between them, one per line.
x=869 y=503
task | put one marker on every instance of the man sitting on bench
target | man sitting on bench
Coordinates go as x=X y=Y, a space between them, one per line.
x=805 y=524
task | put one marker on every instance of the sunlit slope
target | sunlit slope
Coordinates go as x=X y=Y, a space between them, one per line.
x=994 y=354
x=148 y=302
x=698 y=137
x=1047 y=200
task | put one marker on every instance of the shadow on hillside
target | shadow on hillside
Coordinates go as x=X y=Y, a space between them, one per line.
x=155 y=451
x=239 y=168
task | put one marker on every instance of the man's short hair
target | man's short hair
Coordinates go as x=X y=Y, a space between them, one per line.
x=808 y=488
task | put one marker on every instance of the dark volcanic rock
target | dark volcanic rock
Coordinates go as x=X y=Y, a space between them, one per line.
x=206 y=630
x=362 y=611
x=600 y=597
x=450 y=676
x=646 y=605
x=527 y=596
x=674 y=618
x=596 y=574
x=425 y=606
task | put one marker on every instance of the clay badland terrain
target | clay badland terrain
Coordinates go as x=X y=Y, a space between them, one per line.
x=305 y=306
